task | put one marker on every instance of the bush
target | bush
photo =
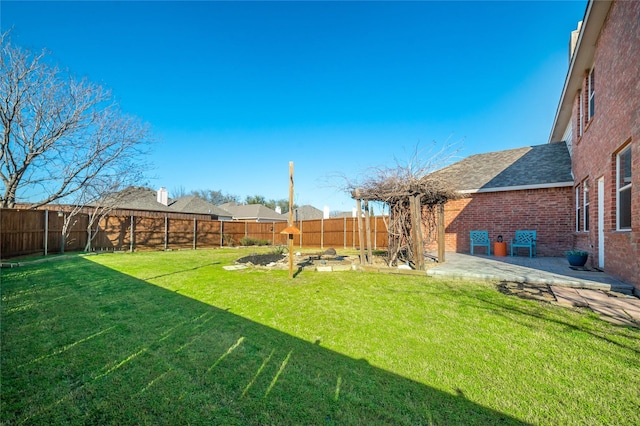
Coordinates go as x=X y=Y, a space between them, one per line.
x=247 y=241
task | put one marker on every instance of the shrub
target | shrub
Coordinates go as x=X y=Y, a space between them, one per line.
x=576 y=253
x=247 y=241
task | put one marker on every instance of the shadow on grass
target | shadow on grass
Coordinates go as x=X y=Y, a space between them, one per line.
x=85 y=344
x=515 y=313
x=181 y=271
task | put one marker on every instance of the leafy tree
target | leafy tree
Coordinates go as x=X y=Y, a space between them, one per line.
x=255 y=199
x=215 y=197
x=272 y=204
x=60 y=136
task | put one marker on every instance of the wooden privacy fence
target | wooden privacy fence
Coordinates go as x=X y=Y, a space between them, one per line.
x=40 y=231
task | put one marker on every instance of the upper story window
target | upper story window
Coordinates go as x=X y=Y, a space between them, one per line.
x=592 y=92
x=580 y=112
x=623 y=189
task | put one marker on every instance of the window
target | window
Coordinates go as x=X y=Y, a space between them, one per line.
x=623 y=188
x=585 y=205
x=580 y=112
x=578 y=208
x=592 y=92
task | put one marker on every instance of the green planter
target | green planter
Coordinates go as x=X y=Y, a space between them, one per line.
x=577 y=258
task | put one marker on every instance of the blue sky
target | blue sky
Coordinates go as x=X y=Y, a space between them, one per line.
x=233 y=91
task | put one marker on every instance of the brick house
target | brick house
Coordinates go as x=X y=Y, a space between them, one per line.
x=523 y=188
x=582 y=189
x=599 y=118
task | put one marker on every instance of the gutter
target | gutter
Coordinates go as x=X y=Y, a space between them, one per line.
x=581 y=61
x=517 y=187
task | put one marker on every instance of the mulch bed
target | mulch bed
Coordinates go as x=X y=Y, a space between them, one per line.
x=261 y=259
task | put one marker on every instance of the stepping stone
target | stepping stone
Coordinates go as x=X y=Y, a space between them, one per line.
x=567 y=296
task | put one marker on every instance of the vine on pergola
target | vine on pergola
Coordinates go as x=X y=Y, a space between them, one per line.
x=412 y=195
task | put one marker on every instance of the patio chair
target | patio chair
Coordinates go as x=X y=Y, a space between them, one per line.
x=481 y=239
x=525 y=239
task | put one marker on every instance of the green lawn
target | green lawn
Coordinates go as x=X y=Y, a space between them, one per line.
x=173 y=338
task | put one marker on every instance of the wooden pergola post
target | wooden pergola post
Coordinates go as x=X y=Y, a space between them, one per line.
x=416 y=225
x=440 y=214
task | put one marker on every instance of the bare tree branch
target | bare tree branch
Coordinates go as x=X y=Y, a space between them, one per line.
x=59 y=134
x=395 y=187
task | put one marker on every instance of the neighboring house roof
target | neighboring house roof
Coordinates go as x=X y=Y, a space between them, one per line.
x=342 y=214
x=540 y=166
x=256 y=212
x=581 y=60
x=140 y=198
x=192 y=204
x=306 y=212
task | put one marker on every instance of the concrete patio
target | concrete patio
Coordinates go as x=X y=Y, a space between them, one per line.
x=536 y=270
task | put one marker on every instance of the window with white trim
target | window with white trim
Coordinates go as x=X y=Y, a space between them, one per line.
x=578 y=208
x=592 y=92
x=585 y=205
x=623 y=189
x=580 y=112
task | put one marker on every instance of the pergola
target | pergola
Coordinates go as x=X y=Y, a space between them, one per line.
x=416 y=207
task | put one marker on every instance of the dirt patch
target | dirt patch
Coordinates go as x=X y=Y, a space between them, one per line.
x=527 y=291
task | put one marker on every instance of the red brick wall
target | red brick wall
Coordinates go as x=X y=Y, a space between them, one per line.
x=547 y=211
x=615 y=124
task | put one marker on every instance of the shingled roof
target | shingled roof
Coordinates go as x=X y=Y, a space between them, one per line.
x=140 y=198
x=539 y=166
x=192 y=204
x=256 y=212
x=307 y=212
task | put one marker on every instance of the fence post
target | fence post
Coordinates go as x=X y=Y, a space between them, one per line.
x=221 y=231
x=195 y=229
x=322 y=233
x=353 y=233
x=344 y=232
x=301 y=234
x=166 y=232
x=131 y=235
x=46 y=231
x=375 y=233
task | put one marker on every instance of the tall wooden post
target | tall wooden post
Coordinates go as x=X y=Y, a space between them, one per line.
x=440 y=233
x=368 y=230
x=416 y=226
x=290 y=236
x=360 y=230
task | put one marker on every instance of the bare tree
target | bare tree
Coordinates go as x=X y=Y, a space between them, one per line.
x=178 y=192
x=59 y=135
x=411 y=192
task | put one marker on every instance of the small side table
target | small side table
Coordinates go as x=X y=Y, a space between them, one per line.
x=500 y=248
